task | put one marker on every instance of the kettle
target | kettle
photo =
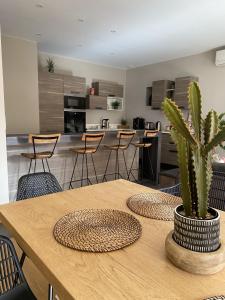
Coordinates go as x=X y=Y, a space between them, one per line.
x=105 y=123
x=150 y=125
x=158 y=126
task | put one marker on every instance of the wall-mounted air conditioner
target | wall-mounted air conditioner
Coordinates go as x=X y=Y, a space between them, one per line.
x=220 y=58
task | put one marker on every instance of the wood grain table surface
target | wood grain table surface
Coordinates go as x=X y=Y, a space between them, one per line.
x=140 y=271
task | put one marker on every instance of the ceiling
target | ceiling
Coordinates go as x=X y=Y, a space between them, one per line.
x=120 y=33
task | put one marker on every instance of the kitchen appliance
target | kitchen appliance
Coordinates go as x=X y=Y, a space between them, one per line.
x=158 y=126
x=138 y=123
x=105 y=123
x=74 y=102
x=150 y=125
x=74 y=122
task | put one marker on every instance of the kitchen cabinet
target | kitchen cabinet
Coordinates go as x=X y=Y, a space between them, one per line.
x=97 y=102
x=168 y=150
x=160 y=90
x=107 y=88
x=181 y=90
x=51 y=102
x=74 y=85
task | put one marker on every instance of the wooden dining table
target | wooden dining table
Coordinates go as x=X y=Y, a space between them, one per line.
x=140 y=271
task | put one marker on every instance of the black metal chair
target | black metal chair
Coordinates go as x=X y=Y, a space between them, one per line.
x=13 y=284
x=173 y=190
x=216 y=193
x=37 y=184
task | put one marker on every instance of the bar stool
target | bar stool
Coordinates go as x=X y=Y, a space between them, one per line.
x=122 y=136
x=142 y=146
x=38 y=140
x=84 y=151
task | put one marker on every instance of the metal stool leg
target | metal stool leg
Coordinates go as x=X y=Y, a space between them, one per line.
x=75 y=163
x=125 y=163
x=82 y=171
x=43 y=165
x=116 y=165
x=50 y=292
x=150 y=162
x=104 y=177
x=35 y=162
x=131 y=167
x=48 y=165
x=96 y=177
x=88 y=180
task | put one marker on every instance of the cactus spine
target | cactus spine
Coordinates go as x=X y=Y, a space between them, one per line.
x=194 y=147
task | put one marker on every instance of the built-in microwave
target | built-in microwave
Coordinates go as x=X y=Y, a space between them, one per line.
x=74 y=102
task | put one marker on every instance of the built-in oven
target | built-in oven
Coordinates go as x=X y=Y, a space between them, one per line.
x=74 y=102
x=74 y=121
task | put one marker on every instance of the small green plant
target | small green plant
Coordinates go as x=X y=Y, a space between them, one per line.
x=50 y=65
x=115 y=104
x=123 y=122
x=194 y=145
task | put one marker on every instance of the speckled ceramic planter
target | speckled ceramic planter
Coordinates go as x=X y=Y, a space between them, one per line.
x=197 y=235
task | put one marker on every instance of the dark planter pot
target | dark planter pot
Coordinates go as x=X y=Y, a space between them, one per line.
x=197 y=235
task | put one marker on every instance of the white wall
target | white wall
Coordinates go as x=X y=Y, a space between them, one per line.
x=20 y=70
x=211 y=79
x=90 y=71
x=4 y=196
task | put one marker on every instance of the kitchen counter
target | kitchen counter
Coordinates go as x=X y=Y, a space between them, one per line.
x=61 y=164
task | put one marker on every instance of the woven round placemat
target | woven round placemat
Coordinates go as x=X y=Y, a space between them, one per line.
x=97 y=230
x=154 y=205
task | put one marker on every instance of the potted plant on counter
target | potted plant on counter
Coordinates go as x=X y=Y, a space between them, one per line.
x=195 y=244
x=50 y=65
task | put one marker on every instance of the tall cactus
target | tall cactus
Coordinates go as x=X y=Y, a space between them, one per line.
x=194 y=147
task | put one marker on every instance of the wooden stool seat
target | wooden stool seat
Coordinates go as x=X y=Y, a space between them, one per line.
x=37 y=155
x=84 y=150
x=142 y=145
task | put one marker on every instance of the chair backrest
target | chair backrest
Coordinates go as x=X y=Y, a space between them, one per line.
x=217 y=191
x=173 y=190
x=42 y=139
x=126 y=135
x=11 y=274
x=151 y=133
x=93 y=137
x=37 y=184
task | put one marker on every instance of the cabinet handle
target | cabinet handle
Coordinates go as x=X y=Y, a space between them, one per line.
x=173 y=151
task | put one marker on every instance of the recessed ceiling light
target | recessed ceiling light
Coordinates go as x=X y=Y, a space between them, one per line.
x=39 y=5
x=81 y=20
x=38 y=34
x=113 y=31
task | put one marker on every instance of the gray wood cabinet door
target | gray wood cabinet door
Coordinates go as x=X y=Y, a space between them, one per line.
x=160 y=90
x=51 y=103
x=181 y=90
x=74 y=85
x=107 y=88
x=97 y=102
